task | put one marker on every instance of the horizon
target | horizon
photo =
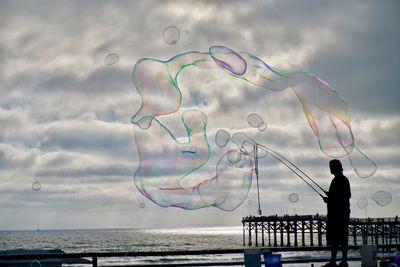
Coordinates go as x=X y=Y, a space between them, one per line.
x=238 y=227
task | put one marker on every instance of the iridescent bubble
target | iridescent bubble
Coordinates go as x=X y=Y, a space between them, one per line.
x=222 y=138
x=293 y=197
x=382 y=198
x=171 y=35
x=190 y=150
x=142 y=205
x=362 y=165
x=36 y=186
x=170 y=178
x=228 y=59
x=362 y=203
x=111 y=59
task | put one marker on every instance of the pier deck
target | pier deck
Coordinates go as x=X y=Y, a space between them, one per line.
x=310 y=230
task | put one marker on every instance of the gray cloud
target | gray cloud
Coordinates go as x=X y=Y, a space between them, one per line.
x=64 y=114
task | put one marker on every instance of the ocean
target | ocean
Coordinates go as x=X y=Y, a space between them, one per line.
x=131 y=240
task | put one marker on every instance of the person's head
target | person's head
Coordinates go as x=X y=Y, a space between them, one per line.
x=336 y=166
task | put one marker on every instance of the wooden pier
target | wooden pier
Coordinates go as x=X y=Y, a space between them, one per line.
x=310 y=230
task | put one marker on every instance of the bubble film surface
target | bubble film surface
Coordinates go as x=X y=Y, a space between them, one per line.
x=166 y=174
x=171 y=35
x=362 y=203
x=36 y=186
x=382 y=198
x=111 y=59
x=293 y=197
x=222 y=138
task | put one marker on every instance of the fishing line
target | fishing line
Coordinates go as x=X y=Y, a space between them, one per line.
x=282 y=159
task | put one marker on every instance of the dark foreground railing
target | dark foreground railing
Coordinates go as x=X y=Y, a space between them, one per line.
x=94 y=256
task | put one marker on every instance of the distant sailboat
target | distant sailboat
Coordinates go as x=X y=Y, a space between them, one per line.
x=38 y=229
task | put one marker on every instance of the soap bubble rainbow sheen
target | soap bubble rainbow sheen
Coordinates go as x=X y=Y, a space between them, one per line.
x=166 y=173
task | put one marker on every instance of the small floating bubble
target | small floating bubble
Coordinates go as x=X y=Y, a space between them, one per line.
x=171 y=35
x=382 y=198
x=111 y=59
x=142 y=205
x=222 y=138
x=36 y=186
x=255 y=120
x=293 y=197
x=362 y=203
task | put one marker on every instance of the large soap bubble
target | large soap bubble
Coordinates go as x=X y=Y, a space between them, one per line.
x=362 y=203
x=382 y=198
x=171 y=35
x=169 y=169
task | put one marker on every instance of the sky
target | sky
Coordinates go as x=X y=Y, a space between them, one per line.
x=65 y=115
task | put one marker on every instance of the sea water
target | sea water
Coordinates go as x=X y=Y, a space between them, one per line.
x=132 y=240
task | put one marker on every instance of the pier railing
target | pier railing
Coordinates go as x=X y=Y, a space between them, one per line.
x=310 y=230
x=168 y=258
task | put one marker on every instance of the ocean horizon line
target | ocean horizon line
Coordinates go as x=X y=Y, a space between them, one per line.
x=38 y=229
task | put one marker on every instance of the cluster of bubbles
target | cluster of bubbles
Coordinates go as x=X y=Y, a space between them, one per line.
x=293 y=197
x=167 y=175
x=36 y=186
x=171 y=35
x=111 y=59
x=382 y=198
x=256 y=121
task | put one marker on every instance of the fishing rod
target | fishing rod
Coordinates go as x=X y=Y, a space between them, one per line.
x=293 y=168
x=297 y=168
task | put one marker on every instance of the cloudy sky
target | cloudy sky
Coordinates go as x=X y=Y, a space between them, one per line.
x=65 y=114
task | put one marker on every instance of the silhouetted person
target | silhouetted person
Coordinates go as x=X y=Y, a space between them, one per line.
x=338 y=213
